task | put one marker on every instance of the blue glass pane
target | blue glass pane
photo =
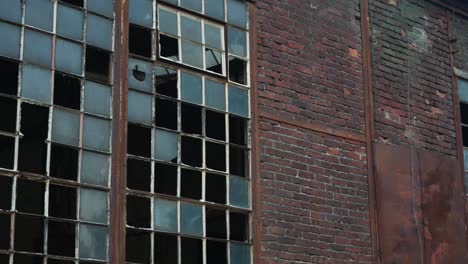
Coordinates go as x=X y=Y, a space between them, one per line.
x=168 y=22
x=93 y=242
x=36 y=83
x=466 y=181
x=237 y=42
x=239 y=192
x=37 y=48
x=10 y=44
x=70 y=22
x=40 y=14
x=190 y=29
x=141 y=12
x=215 y=9
x=213 y=36
x=66 y=127
x=240 y=253
x=93 y=206
x=191 y=87
x=99 y=32
x=465 y=155
x=95 y=168
x=192 y=54
x=195 y=5
x=68 y=57
x=237 y=12
x=140 y=108
x=462 y=89
x=215 y=94
x=97 y=98
x=166 y=146
x=238 y=101
x=191 y=219
x=11 y=10
x=103 y=7
x=96 y=133
x=140 y=75
x=165 y=215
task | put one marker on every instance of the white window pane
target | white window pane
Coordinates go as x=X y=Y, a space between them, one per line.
x=237 y=42
x=195 y=5
x=36 y=83
x=213 y=36
x=215 y=9
x=237 y=12
x=168 y=22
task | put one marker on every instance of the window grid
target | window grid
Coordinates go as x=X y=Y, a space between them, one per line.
x=463 y=95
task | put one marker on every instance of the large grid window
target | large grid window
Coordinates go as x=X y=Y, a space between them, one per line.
x=55 y=130
x=463 y=95
x=188 y=166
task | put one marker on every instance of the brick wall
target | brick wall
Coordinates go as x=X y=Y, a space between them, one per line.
x=459 y=26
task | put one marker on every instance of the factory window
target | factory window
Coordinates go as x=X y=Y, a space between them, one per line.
x=463 y=95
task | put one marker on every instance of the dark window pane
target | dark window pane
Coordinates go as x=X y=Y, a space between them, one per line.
x=465 y=136
x=140 y=41
x=215 y=125
x=237 y=130
x=61 y=238
x=237 y=161
x=29 y=234
x=4 y=258
x=464 y=113
x=9 y=71
x=169 y=47
x=63 y=162
x=165 y=248
x=166 y=113
x=237 y=70
x=62 y=202
x=191 y=119
x=7 y=152
x=97 y=64
x=191 y=251
x=216 y=223
x=5 y=192
x=8 y=110
x=166 y=81
x=191 y=184
x=139 y=141
x=27 y=259
x=192 y=151
x=138 y=246
x=74 y=2
x=60 y=261
x=138 y=211
x=215 y=156
x=215 y=188
x=138 y=175
x=67 y=91
x=216 y=252
x=239 y=227
x=33 y=147
x=30 y=196
x=5 y=221
x=165 y=179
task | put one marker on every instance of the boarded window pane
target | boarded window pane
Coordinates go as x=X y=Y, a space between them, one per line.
x=191 y=222
x=140 y=108
x=215 y=94
x=141 y=12
x=93 y=242
x=165 y=215
x=97 y=98
x=70 y=22
x=10 y=44
x=35 y=83
x=239 y=192
x=40 y=14
x=95 y=168
x=166 y=146
x=191 y=86
x=140 y=75
x=37 y=48
x=93 y=206
x=68 y=57
x=100 y=33
x=96 y=133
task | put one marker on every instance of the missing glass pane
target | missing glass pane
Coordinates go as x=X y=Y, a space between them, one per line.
x=138 y=175
x=237 y=70
x=97 y=64
x=63 y=162
x=216 y=223
x=166 y=82
x=62 y=202
x=215 y=188
x=138 y=246
x=140 y=41
x=191 y=251
x=214 y=60
x=192 y=151
x=216 y=252
x=29 y=234
x=61 y=238
x=78 y=3
x=30 y=259
x=8 y=110
x=215 y=125
x=139 y=141
x=9 y=71
x=5 y=221
x=30 y=196
x=191 y=119
x=238 y=161
x=61 y=261
x=237 y=130
x=138 y=211
x=166 y=113
x=7 y=152
x=191 y=184
x=465 y=136
x=67 y=91
x=5 y=192
x=464 y=113
x=165 y=179
x=215 y=156
x=165 y=248
x=239 y=227
x=169 y=47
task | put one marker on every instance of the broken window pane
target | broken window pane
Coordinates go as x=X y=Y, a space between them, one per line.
x=239 y=192
x=192 y=54
x=97 y=98
x=191 y=151
x=195 y=5
x=216 y=252
x=61 y=238
x=191 y=251
x=62 y=202
x=97 y=64
x=238 y=161
x=30 y=196
x=166 y=146
x=138 y=211
x=240 y=254
x=191 y=87
x=138 y=175
x=140 y=41
x=29 y=233
x=5 y=221
x=78 y=3
x=215 y=125
x=36 y=83
x=237 y=12
x=139 y=141
x=166 y=113
x=237 y=42
x=168 y=22
x=66 y=127
x=63 y=162
x=166 y=82
x=191 y=219
x=5 y=192
x=10 y=44
x=93 y=206
x=237 y=130
x=68 y=56
x=215 y=188
x=96 y=133
x=215 y=94
x=103 y=7
x=93 y=242
x=70 y=22
x=165 y=179
x=169 y=47
x=216 y=223
x=191 y=184
x=165 y=248
x=214 y=60
x=100 y=33
x=37 y=47
x=11 y=10
x=238 y=101
x=191 y=119
x=138 y=246
x=40 y=14
x=9 y=76
x=140 y=75
x=95 y=168
x=215 y=156
x=8 y=110
x=165 y=215
x=190 y=29
x=67 y=91
x=239 y=224
x=141 y=12
x=237 y=70
x=7 y=152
